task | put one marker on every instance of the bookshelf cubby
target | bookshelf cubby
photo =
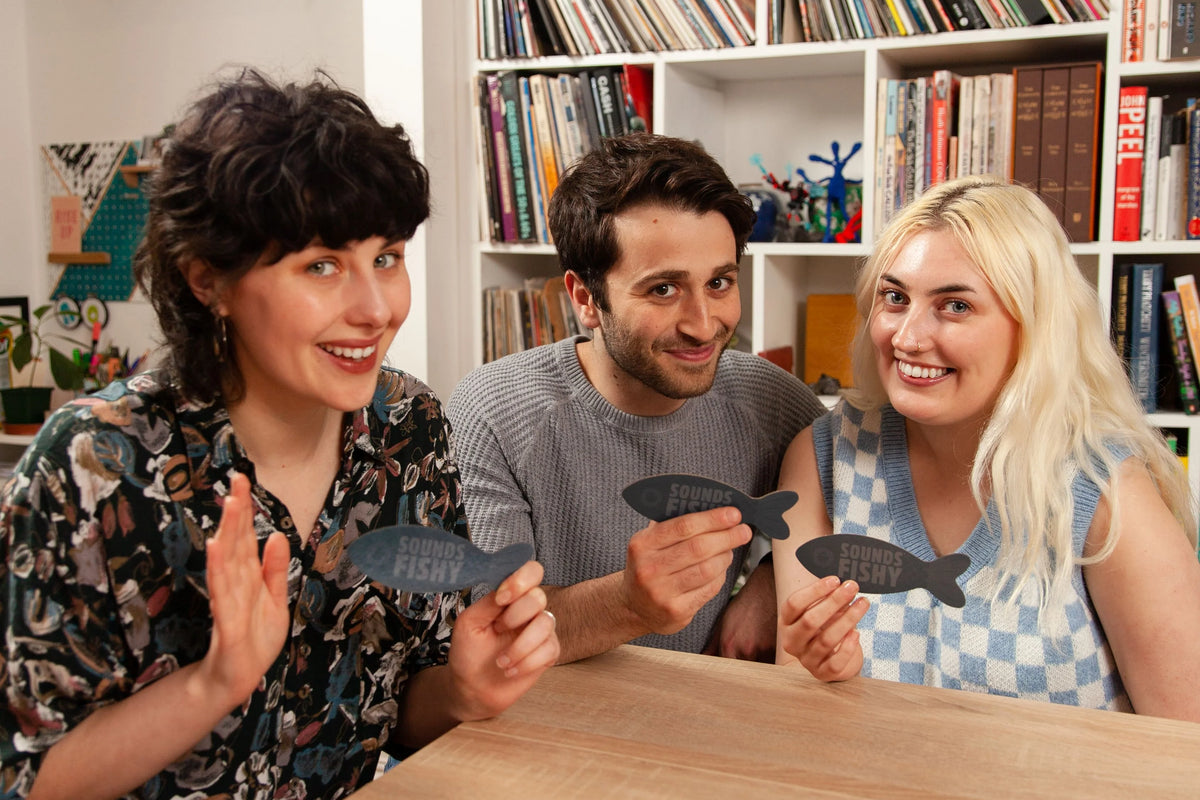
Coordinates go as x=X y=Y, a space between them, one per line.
x=783 y=102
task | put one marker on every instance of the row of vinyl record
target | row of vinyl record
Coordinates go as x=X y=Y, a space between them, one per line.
x=837 y=20
x=1037 y=125
x=530 y=28
x=1156 y=331
x=532 y=126
x=1158 y=167
x=518 y=319
x=1159 y=30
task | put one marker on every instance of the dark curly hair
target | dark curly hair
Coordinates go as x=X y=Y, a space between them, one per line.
x=257 y=170
x=627 y=171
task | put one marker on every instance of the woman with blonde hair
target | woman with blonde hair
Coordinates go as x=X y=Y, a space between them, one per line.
x=991 y=416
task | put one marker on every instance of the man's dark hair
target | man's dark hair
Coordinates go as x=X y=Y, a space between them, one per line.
x=628 y=171
x=257 y=170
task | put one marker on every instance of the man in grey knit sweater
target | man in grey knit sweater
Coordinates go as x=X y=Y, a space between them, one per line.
x=649 y=232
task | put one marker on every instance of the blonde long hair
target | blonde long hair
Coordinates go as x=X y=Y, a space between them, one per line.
x=1068 y=397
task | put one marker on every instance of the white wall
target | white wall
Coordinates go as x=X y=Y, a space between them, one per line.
x=102 y=70
x=18 y=215
x=95 y=70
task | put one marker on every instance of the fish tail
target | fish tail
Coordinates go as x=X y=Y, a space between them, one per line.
x=506 y=561
x=767 y=513
x=943 y=579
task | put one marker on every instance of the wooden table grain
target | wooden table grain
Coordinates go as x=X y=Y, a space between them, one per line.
x=642 y=723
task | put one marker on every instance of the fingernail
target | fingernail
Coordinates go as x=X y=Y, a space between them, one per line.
x=503 y=661
x=510 y=673
x=503 y=597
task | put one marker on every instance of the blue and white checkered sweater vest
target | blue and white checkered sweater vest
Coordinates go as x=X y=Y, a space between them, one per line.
x=988 y=645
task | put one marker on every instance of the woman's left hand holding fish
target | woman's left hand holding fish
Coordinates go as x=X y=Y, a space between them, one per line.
x=500 y=646
x=818 y=628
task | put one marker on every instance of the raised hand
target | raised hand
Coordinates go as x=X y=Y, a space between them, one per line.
x=818 y=626
x=673 y=568
x=248 y=599
x=501 y=644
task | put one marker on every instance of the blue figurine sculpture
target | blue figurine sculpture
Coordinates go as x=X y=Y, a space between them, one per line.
x=835 y=195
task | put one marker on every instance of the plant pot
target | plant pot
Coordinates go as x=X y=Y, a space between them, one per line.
x=25 y=408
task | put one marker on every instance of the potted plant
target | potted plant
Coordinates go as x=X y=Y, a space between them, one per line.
x=25 y=407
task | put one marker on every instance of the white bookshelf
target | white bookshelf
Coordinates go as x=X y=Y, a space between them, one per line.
x=787 y=101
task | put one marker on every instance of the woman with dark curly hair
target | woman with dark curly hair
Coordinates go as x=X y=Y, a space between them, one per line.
x=181 y=618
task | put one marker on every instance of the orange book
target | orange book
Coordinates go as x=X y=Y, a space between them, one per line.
x=1189 y=300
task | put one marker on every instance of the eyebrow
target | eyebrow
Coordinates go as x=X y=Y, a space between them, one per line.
x=950 y=288
x=673 y=275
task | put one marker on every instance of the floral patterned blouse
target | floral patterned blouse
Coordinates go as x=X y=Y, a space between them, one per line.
x=102 y=587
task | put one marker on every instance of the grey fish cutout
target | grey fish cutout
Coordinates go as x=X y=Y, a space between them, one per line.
x=662 y=497
x=413 y=558
x=881 y=567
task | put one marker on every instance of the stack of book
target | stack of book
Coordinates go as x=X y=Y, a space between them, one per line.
x=518 y=319
x=1156 y=330
x=529 y=28
x=1037 y=125
x=836 y=20
x=1159 y=30
x=532 y=126
x=1158 y=167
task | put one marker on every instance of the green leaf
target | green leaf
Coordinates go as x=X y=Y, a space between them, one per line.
x=22 y=350
x=67 y=374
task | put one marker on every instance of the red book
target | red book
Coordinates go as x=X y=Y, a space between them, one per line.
x=1131 y=142
x=945 y=100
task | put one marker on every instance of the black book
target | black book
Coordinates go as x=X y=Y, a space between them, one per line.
x=545 y=29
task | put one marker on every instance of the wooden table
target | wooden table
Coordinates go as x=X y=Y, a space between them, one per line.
x=637 y=722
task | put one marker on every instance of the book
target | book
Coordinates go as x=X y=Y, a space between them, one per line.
x=1191 y=217
x=1119 y=325
x=1052 y=160
x=500 y=151
x=608 y=103
x=543 y=123
x=514 y=131
x=1181 y=352
x=1150 y=166
x=1083 y=135
x=1172 y=178
x=1027 y=125
x=982 y=109
x=1131 y=140
x=639 y=94
x=966 y=113
x=1189 y=302
x=1180 y=31
x=489 y=210
x=537 y=182
x=1133 y=31
x=1145 y=286
x=1000 y=119
x=944 y=99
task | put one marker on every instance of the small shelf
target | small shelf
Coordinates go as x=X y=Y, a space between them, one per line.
x=79 y=258
x=22 y=440
x=131 y=173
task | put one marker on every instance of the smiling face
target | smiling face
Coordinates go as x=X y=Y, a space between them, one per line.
x=944 y=343
x=673 y=304
x=310 y=331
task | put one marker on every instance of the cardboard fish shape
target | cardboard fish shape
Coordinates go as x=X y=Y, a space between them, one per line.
x=881 y=567
x=414 y=558
x=663 y=497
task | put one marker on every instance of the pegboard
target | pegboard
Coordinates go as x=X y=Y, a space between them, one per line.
x=114 y=215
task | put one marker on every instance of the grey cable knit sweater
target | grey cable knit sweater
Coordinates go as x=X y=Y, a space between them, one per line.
x=544 y=458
